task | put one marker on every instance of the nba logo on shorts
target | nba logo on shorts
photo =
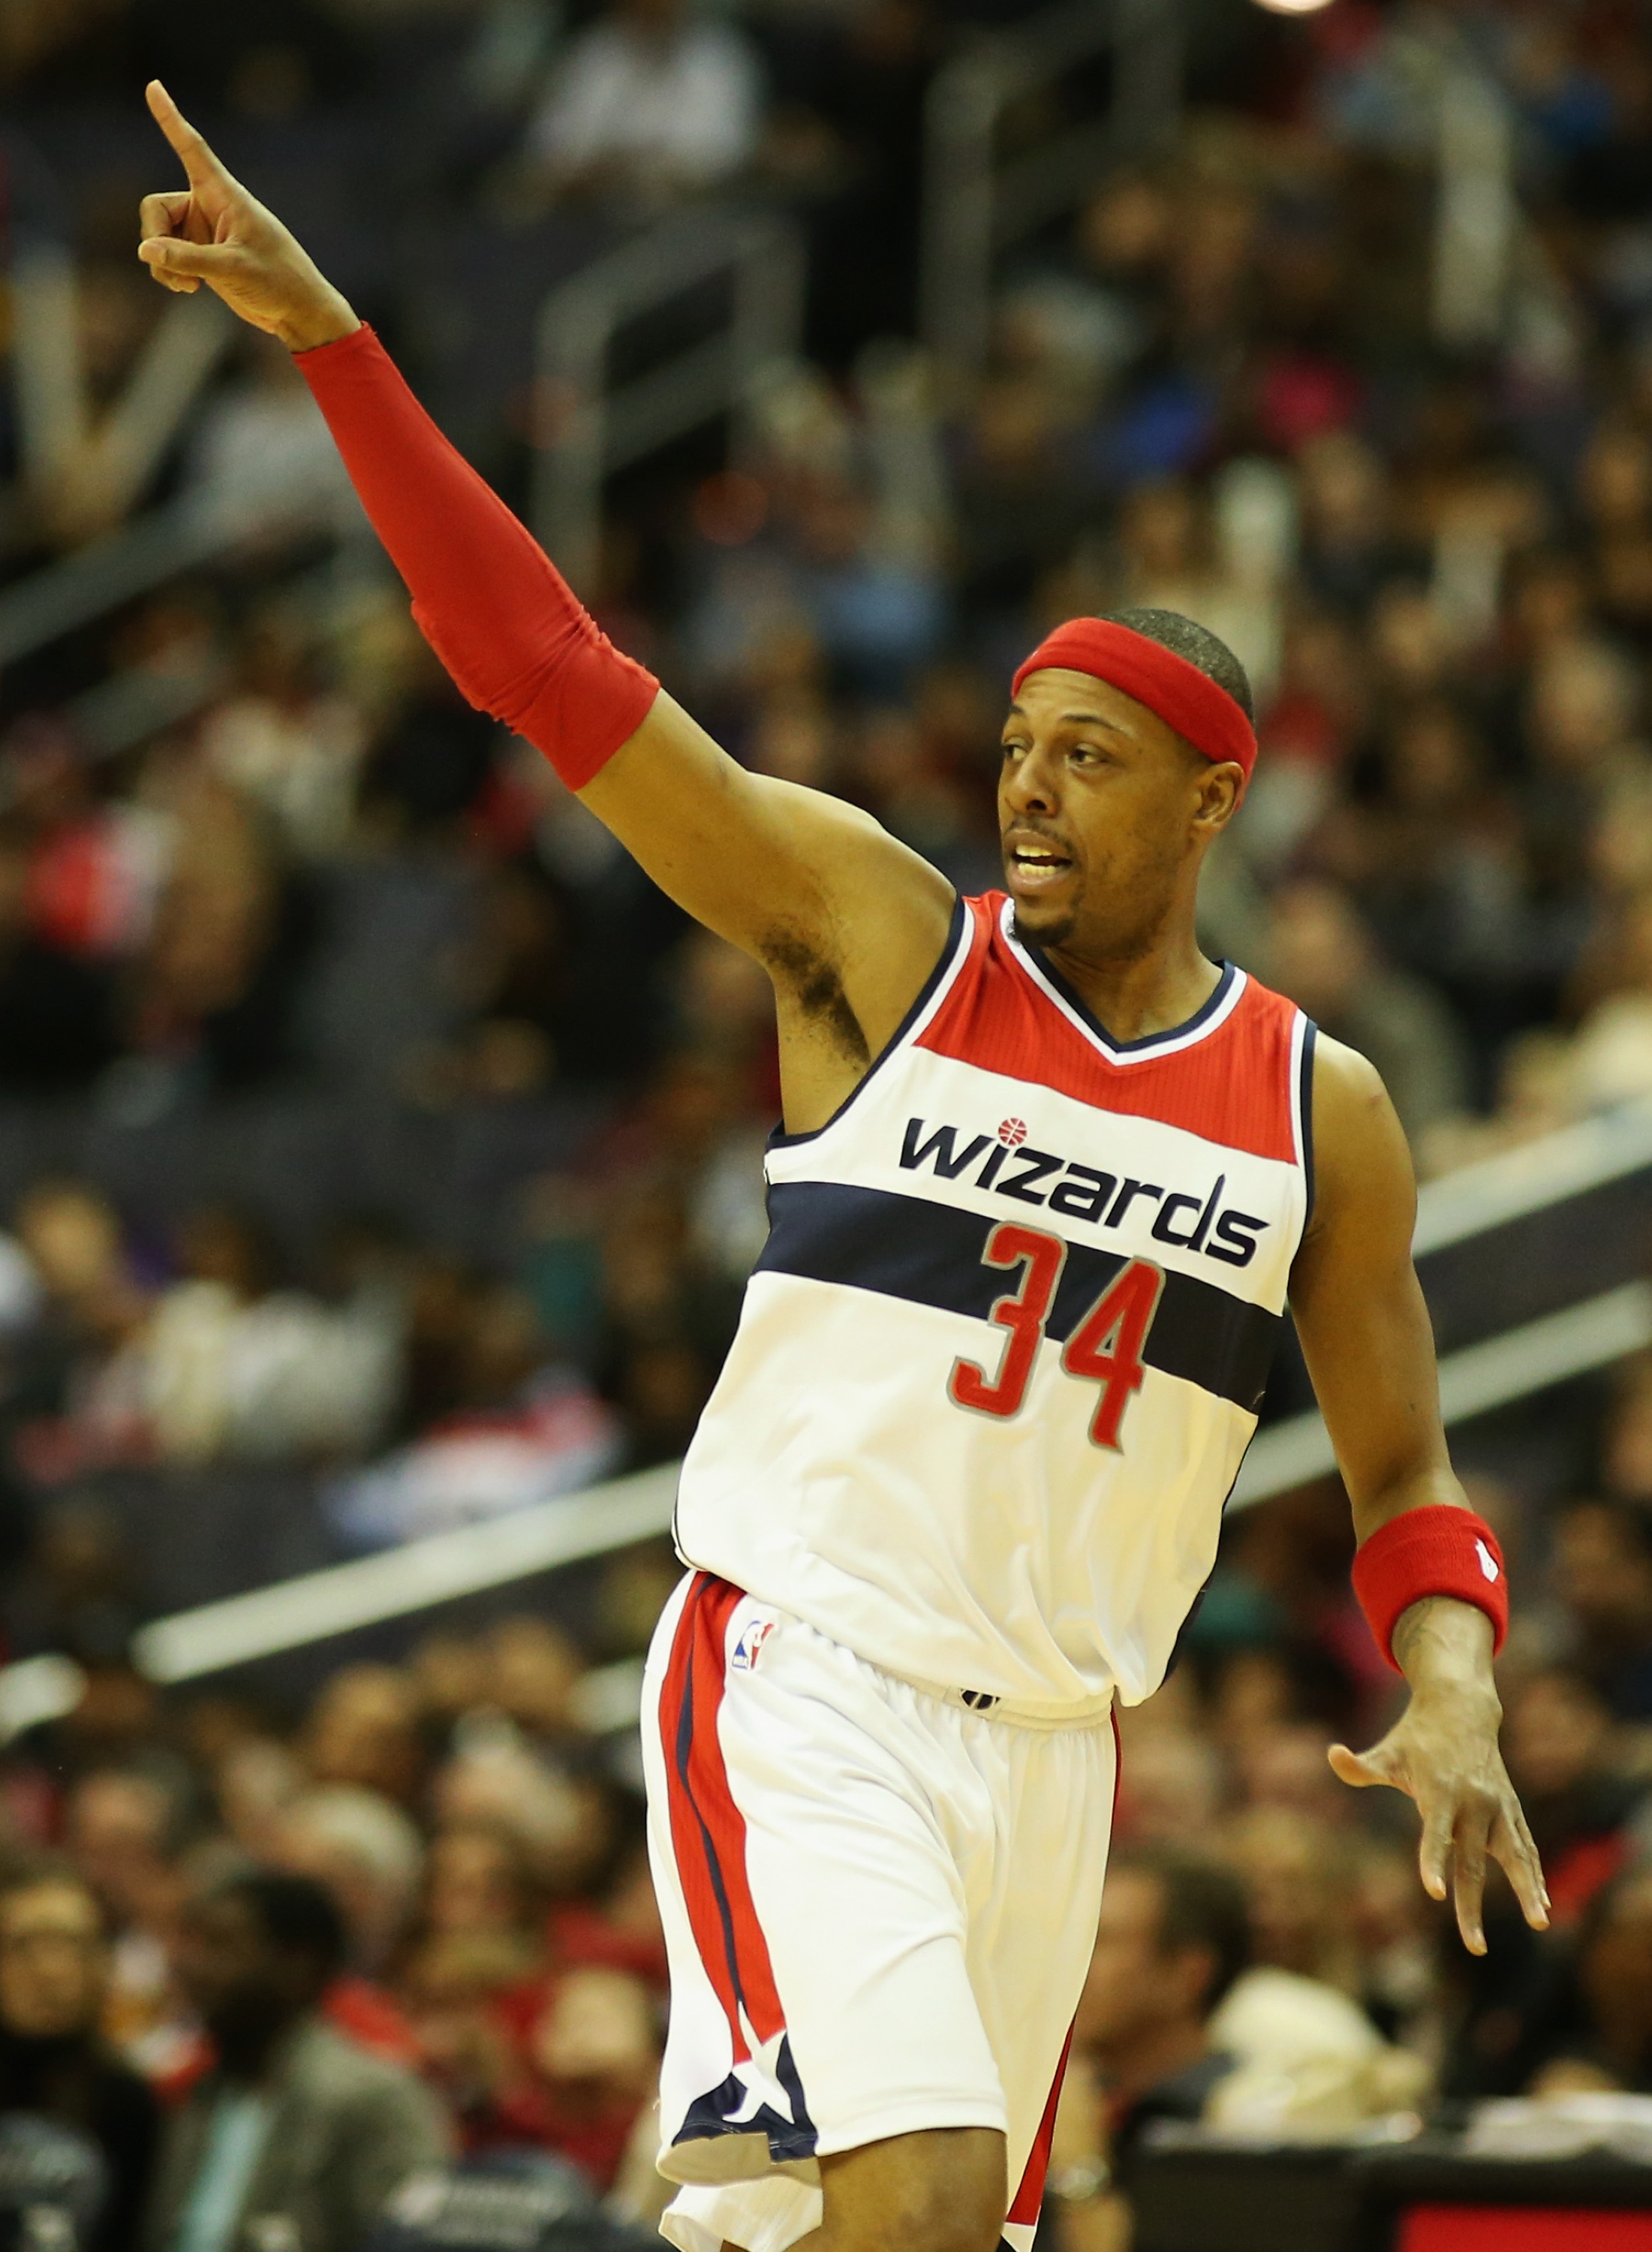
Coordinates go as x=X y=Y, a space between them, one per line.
x=746 y=1650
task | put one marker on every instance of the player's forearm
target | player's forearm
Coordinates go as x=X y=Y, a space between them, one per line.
x=487 y=597
x=1428 y=1485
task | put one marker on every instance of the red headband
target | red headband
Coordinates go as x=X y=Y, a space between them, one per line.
x=1184 y=698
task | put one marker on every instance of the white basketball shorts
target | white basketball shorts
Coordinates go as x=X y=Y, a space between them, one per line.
x=879 y=1905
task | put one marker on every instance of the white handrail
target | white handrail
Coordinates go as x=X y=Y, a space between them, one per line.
x=318 y=1605
x=1549 y=1171
x=596 y=429
x=292 y=1614
x=1479 y=1377
x=975 y=206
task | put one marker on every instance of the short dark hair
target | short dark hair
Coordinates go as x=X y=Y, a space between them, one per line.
x=1186 y=637
x=295 y=1913
x=1202 y=1904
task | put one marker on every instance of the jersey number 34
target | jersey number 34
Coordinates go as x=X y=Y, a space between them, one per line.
x=1106 y=1348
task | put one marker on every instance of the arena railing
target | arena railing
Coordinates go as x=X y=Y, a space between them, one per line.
x=1535 y=1263
x=979 y=199
x=592 y=426
x=60 y=444
x=596 y=427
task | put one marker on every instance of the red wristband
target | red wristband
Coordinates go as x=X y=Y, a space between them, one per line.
x=1438 y=1551
x=486 y=596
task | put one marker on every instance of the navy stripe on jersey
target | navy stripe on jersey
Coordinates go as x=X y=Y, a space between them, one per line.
x=1080 y=1007
x=1305 y=1113
x=930 y=1254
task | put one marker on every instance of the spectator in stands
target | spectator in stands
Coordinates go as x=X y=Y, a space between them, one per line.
x=262 y=456
x=1173 y=1938
x=53 y=2059
x=1603 y=1577
x=1320 y=953
x=296 y=2129
x=364 y=1730
x=124 y=1832
x=480 y=1885
x=532 y=1670
x=370 y=1856
x=648 y=105
x=456 y=1988
x=229 y=1367
x=1298 y=1884
x=71 y=1237
x=282 y=739
x=213 y=987
x=590 y=2039
x=561 y=2061
x=1557 y=1739
x=1612 y=2046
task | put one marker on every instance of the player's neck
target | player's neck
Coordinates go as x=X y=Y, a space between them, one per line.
x=1137 y=995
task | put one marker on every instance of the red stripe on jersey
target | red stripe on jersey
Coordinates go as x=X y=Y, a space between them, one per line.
x=1029 y=2197
x=1232 y=1086
x=708 y=1831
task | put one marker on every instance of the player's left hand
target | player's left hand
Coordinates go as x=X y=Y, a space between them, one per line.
x=1443 y=1752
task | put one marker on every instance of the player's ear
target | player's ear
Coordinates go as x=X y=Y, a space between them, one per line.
x=1221 y=792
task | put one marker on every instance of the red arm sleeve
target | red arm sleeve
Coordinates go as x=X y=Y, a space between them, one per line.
x=485 y=594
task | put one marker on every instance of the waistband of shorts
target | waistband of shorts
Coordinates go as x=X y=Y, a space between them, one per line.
x=1085 y=1712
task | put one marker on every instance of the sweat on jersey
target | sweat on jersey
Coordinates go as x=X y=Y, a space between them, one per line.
x=1000 y=1357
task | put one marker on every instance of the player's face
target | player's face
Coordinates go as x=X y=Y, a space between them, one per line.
x=1103 y=815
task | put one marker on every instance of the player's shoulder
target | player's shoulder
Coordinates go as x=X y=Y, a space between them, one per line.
x=1348 y=1084
x=1362 y=1161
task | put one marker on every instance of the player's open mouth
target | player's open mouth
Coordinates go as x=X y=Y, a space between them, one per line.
x=1036 y=867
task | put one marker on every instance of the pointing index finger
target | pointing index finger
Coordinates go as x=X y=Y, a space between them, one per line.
x=193 y=153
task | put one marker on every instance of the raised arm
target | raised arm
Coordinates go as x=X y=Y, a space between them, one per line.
x=1370 y=1350
x=846 y=921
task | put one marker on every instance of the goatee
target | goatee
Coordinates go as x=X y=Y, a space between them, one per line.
x=1052 y=934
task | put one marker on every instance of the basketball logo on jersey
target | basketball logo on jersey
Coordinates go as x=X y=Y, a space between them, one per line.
x=747 y=1649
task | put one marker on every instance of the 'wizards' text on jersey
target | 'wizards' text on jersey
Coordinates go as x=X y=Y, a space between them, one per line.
x=1003 y=1353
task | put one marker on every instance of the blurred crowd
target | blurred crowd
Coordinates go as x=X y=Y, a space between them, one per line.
x=256 y=853
x=253 y=847
x=423 y=1903
x=424 y=1916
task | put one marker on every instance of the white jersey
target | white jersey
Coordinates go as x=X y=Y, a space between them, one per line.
x=1002 y=1355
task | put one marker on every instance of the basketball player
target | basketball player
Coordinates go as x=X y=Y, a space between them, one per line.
x=1047 y=1181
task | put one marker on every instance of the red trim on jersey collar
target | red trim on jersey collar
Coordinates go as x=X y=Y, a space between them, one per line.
x=1184 y=698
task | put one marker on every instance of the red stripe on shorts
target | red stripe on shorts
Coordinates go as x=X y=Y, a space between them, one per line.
x=708 y=1831
x=1029 y=2197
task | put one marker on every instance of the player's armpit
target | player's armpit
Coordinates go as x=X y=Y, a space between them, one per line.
x=848 y=921
x=1358 y=1307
